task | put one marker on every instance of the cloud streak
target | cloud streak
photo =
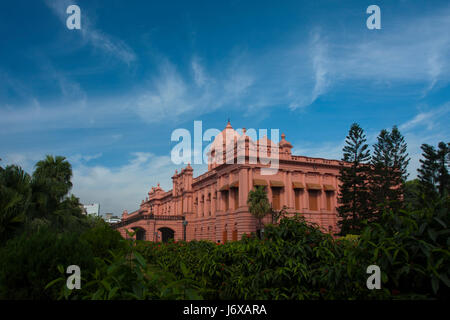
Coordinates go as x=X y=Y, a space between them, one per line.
x=93 y=36
x=430 y=119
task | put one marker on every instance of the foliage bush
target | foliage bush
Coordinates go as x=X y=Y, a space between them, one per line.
x=295 y=260
x=412 y=249
x=102 y=240
x=127 y=275
x=30 y=261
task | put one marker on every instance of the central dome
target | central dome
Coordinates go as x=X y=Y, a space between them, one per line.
x=225 y=140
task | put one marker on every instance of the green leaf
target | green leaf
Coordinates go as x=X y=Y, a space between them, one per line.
x=435 y=284
x=53 y=282
x=97 y=295
x=445 y=279
x=184 y=269
x=140 y=259
x=432 y=234
x=384 y=277
x=112 y=293
x=441 y=222
x=106 y=285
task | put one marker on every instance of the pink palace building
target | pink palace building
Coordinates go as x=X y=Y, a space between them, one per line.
x=213 y=206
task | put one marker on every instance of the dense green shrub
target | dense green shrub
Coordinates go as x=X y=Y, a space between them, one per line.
x=30 y=261
x=412 y=250
x=295 y=260
x=102 y=239
x=127 y=275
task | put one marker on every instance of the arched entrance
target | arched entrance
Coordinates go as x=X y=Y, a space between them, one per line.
x=166 y=234
x=140 y=233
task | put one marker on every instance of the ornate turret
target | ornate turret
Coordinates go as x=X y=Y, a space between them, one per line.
x=285 y=147
x=284 y=143
x=223 y=142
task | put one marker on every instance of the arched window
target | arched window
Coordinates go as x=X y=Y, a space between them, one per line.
x=235 y=235
x=225 y=234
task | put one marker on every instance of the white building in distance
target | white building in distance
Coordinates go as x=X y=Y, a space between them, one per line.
x=92 y=209
x=110 y=218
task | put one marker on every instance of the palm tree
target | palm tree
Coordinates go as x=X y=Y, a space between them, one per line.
x=51 y=183
x=15 y=196
x=58 y=172
x=259 y=205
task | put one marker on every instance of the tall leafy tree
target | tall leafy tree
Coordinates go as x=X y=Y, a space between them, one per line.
x=51 y=183
x=15 y=198
x=353 y=175
x=58 y=171
x=388 y=171
x=380 y=177
x=433 y=173
x=427 y=173
x=443 y=163
x=258 y=203
x=412 y=194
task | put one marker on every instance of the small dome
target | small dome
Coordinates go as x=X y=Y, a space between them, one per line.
x=283 y=143
x=222 y=137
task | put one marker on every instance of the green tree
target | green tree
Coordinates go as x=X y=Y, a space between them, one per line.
x=388 y=171
x=69 y=215
x=427 y=173
x=443 y=162
x=433 y=173
x=412 y=194
x=15 y=197
x=51 y=183
x=353 y=174
x=258 y=203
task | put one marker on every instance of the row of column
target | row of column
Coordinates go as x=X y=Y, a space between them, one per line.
x=209 y=200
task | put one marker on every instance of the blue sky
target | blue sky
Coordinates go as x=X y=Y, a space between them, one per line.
x=109 y=96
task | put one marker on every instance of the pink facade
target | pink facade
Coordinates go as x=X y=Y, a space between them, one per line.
x=214 y=204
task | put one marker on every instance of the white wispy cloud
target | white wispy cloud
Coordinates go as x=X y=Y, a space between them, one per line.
x=428 y=127
x=412 y=51
x=92 y=35
x=427 y=118
x=170 y=95
x=82 y=158
x=200 y=78
x=293 y=75
x=26 y=160
x=320 y=68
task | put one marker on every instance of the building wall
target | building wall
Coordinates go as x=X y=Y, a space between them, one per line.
x=215 y=203
x=204 y=204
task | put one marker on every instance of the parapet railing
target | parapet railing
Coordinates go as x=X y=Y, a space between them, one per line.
x=146 y=217
x=203 y=176
x=315 y=160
